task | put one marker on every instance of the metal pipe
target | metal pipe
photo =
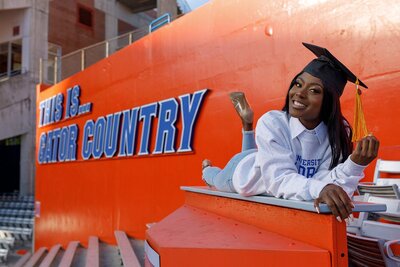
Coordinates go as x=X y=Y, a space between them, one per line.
x=55 y=69
x=40 y=70
x=83 y=59
x=107 y=48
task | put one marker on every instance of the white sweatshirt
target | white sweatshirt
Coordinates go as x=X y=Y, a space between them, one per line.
x=292 y=162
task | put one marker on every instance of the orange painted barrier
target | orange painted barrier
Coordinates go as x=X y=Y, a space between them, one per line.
x=225 y=229
x=115 y=141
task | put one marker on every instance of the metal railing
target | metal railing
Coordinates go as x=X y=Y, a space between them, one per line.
x=159 y=22
x=57 y=68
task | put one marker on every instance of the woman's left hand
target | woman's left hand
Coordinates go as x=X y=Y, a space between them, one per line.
x=337 y=200
x=366 y=150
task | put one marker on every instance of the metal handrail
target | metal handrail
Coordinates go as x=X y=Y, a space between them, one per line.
x=129 y=34
x=160 y=21
x=57 y=70
x=55 y=63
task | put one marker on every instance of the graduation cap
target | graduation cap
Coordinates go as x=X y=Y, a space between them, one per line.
x=329 y=69
x=335 y=75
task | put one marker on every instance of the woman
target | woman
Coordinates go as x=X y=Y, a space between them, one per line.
x=303 y=152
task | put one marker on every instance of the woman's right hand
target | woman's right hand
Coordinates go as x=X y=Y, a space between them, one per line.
x=337 y=200
x=366 y=150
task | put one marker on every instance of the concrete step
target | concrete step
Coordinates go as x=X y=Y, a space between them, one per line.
x=129 y=252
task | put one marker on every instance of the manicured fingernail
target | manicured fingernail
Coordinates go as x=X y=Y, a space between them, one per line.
x=351 y=217
x=339 y=219
x=317 y=209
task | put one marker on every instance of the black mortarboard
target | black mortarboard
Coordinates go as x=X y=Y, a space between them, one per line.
x=329 y=69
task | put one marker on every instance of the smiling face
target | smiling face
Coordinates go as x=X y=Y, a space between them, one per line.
x=305 y=100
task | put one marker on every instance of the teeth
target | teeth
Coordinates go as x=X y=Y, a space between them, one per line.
x=296 y=103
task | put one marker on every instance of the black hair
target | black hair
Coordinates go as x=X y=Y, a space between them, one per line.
x=339 y=130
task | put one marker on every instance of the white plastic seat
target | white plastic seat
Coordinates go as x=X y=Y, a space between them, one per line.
x=387 y=166
x=383 y=187
x=362 y=226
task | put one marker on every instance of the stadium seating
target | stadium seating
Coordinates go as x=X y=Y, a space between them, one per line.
x=366 y=225
x=364 y=251
x=383 y=187
x=368 y=236
x=16 y=223
x=17 y=205
x=17 y=233
x=382 y=190
x=3 y=254
x=15 y=198
x=6 y=240
x=389 y=191
x=16 y=213
x=386 y=166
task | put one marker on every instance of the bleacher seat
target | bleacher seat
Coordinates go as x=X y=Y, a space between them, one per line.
x=385 y=191
x=6 y=240
x=387 y=166
x=17 y=205
x=15 y=198
x=367 y=238
x=17 y=222
x=365 y=223
x=3 y=254
x=364 y=251
x=389 y=191
x=17 y=213
x=16 y=232
x=383 y=187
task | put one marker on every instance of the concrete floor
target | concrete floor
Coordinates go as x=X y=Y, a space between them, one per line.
x=13 y=256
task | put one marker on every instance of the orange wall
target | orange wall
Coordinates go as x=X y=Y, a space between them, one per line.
x=222 y=46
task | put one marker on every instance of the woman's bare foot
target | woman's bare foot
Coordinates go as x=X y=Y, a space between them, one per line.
x=206 y=163
x=243 y=109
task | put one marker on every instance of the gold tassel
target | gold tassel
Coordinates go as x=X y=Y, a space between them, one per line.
x=359 y=125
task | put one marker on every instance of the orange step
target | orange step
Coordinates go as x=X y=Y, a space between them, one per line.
x=194 y=237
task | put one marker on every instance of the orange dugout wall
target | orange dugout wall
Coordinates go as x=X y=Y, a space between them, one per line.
x=115 y=141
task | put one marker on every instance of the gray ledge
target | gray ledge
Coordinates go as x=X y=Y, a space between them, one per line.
x=294 y=204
